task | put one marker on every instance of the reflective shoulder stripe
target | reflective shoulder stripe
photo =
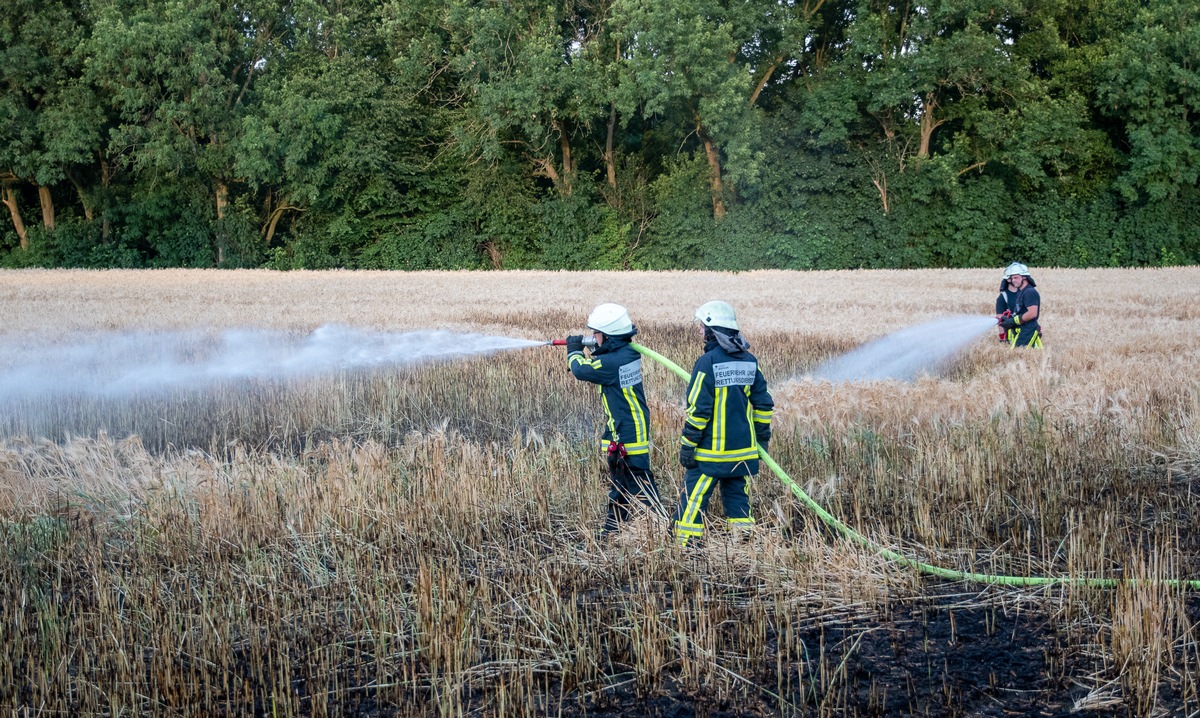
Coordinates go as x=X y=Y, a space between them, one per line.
x=579 y=359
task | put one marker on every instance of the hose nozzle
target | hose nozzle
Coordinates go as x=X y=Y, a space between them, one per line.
x=589 y=342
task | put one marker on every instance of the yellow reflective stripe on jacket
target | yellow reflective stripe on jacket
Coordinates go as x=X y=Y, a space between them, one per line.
x=763 y=417
x=697 y=385
x=750 y=422
x=687 y=442
x=640 y=429
x=641 y=447
x=746 y=454
x=718 y=430
x=579 y=359
x=612 y=423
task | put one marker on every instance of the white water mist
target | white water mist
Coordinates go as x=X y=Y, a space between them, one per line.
x=908 y=353
x=119 y=364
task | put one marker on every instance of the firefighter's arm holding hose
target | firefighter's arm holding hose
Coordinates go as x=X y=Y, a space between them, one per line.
x=1017 y=320
x=590 y=370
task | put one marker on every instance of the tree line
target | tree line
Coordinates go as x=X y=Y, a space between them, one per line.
x=579 y=134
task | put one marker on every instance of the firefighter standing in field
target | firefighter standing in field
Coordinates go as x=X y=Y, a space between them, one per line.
x=617 y=370
x=1022 y=302
x=728 y=418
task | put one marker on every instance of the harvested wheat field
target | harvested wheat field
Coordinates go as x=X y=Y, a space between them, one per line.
x=415 y=538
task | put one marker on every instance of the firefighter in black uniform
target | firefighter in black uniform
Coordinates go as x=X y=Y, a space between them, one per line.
x=728 y=418
x=1018 y=307
x=617 y=368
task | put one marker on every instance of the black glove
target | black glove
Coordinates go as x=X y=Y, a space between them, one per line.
x=1009 y=323
x=762 y=444
x=687 y=457
x=574 y=343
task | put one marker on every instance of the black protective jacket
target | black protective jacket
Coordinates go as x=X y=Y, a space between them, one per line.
x=728 y=411
x=616 y=368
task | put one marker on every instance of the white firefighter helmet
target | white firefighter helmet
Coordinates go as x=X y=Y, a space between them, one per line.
x=611 y=319
x=717 y=314
x=1016 y=268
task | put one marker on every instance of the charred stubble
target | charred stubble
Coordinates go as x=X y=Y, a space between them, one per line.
x=417 y=541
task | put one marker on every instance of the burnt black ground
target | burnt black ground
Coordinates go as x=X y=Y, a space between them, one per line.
x=932 y=656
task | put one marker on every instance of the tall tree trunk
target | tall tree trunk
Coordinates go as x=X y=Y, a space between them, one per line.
x=610 y=162
x=9 y=197
x=89 y=212
x=879 y=179
x=545 y=167
x=564 y=142
x=928 y=124
x=714 y=173
x=222 y=192
x=47 y=206
x=494 y=253
x=762 y=82
x=269 y=233
x=105 y=181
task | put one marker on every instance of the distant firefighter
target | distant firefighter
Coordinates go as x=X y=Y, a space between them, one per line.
x=1018 y=307
x=728 y=418
x=617 y=368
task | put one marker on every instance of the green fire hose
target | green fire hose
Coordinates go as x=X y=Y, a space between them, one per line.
x=987 y=578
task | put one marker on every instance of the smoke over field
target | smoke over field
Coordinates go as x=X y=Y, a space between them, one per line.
x=251 y=493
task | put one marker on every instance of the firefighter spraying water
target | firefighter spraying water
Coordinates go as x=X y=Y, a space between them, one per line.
x=1018 y=308
x=616 y=368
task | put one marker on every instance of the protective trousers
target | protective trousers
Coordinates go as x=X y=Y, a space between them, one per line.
x=626 y=484
x=693 y=505
x=1025 y=337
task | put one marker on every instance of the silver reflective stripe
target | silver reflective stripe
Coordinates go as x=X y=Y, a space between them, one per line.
x=734 y=373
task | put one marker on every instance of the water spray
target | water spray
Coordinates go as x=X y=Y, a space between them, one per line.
x=1000 y=320
x=908 y=353
x=122 y=364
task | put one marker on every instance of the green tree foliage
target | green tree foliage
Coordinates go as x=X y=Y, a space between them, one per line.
x=1151 y=81
x=576 y=134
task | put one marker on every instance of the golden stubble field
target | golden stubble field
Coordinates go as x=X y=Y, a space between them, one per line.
x=418 y=540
